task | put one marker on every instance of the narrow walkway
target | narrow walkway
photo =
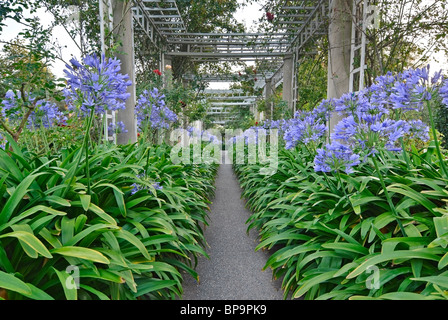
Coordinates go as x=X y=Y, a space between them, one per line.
x=234 y=270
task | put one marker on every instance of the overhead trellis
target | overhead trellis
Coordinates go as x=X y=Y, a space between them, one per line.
x=159 y=19
x=294 y=25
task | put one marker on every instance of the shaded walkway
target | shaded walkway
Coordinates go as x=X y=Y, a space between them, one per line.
x=234 y=270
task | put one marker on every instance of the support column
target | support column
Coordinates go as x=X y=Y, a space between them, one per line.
x=288 y=74
x=122 y=14
x=269 y=110
x=339 y=41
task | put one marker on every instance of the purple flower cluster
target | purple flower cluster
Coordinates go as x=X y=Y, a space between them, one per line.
x=335 y=157
x=443 y=92
x=203 y=135
x=151 y=110
x=375 y=118
x=12 y=105
x=96 y=84
x=119 y=127
x=2 y=142
x=305 y=128
x=136 y=187
x=371 y=122
x=275 y=124
x=46 y=114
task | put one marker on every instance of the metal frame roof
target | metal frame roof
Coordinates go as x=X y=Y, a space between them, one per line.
x=295 y=24
x=294 y=27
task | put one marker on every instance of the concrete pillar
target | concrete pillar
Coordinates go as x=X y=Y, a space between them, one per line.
x=269 y=110
x=288 y=74
x=339 y=41
x=122 y=14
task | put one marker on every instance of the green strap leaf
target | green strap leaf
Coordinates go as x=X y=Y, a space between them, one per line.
x=85 y=201
x=16 y=197
x=82 y=253
x=70 y=290
x=399 y=254
x=151 y=285
x=10 y=282
x=126 y=235
x=31 y=241
x=441 y=281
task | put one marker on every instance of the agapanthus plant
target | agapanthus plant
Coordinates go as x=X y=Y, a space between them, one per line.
x=144 y=183
x=46 y=115
x=378 y=117
x=96 y=84
x=116 y=128
x=11 y=106
x=336 y=157
x=2 y=142
x=20 y=109
x=94 y=87
x=305 y=128
x=152 y=111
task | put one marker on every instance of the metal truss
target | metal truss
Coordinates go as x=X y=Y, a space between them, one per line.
x=158 y=19
x=297 y=24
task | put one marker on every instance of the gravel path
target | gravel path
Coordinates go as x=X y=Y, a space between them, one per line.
x=234 y=270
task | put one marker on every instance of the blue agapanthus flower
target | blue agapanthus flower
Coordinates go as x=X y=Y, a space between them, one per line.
x=336 y=157
x=12 y=105
x=305 y=128
x=151 y=110
x=118 y=127
x=136 y=187
x=46 y=114
x=443 y=92
x=2 y=142
x=96 y=84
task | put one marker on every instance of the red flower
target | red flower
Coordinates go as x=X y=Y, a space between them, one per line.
x=157 y=72
x=256 y=123
x=270 y=16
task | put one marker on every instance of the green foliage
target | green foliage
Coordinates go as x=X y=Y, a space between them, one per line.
x=327 y=234
x=125 y=245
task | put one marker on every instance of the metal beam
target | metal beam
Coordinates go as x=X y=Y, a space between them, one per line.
x=248 y=54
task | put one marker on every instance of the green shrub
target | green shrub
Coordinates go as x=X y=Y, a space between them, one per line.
x=125 y=245
x=328 y=235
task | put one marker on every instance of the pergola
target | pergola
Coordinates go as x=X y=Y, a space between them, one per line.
x=298 y=24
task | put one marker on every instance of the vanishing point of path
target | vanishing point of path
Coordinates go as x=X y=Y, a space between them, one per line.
x=234 y=270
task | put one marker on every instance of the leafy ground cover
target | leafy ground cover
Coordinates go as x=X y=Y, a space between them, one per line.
x=366 y=219
x=127 y=236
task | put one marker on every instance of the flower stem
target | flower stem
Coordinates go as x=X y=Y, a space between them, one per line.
x=86 y=144
x=72 y=173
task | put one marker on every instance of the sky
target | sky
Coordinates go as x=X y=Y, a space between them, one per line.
x=59 y=36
